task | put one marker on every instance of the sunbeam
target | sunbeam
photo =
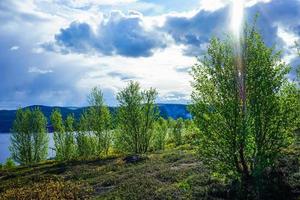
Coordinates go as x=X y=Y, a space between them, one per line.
x=237 y=15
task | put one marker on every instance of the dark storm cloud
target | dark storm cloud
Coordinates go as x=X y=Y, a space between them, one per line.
x=119 y=34
x=194 y=32
x=125 y=35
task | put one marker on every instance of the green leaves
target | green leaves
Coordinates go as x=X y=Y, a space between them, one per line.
x=136 y=115
x=29 y=140
x=242 y=105
x=94 y=137
x=160 y=132
x=65 y=147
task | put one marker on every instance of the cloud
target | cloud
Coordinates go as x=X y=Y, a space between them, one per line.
x=37 y=70
x=117 y=34
x=80 y=3
x=88 y=44
x=183 y=69
x=175 y=96
x=208 y=5
x=195 y=31
x=122 y=76
x=14 y=48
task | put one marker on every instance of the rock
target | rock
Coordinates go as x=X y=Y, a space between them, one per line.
x=133 y=159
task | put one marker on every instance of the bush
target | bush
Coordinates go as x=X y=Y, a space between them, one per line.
x=160 y=133
x=9 y=164
x=136 y=115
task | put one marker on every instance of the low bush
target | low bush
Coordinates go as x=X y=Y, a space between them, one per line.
x=9 y=164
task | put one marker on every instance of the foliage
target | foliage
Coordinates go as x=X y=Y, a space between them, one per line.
x=29 y=140
x=59 y=134
x=94 y=136
x=85 y=139
x=99 y=120
x=160 y=132
x=191 y=133
x=63 y=136
x=177 y=131
x=9 y=164
x=136 y=116
x=244 y=107
x=70 y=140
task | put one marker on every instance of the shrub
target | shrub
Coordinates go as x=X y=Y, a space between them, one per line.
x=9 y=164
x=29 y=140
x=136 y=116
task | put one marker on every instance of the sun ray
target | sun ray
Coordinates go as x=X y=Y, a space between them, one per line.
x=237 y=15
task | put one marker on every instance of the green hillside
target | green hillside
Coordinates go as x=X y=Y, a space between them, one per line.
x=172 y=174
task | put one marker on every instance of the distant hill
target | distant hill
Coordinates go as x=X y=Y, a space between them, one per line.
x=7 y=117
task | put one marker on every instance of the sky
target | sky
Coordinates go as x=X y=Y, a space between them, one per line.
x=52 y=52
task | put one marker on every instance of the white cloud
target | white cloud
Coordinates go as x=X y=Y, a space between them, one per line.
x=209 y=5
x=213 y=5
x=158 y=71
x=289 y=39
x=37 y=70
x=14 y=48
x=80 y=3
x=250 y=3
x=75 y=74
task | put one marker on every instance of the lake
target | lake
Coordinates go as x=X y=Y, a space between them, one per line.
x=5 y=142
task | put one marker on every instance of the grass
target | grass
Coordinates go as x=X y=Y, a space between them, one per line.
x=171 y=174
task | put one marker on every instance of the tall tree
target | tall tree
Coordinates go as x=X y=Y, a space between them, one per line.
x=242 y=107
x=177 y=131
x=99 y=120
x=94 y=136
x=85 y=139
x=160 y=134
x=29 y=140
x=59 y=134
x=63 y=136
x=70 y=140
x=136 y=115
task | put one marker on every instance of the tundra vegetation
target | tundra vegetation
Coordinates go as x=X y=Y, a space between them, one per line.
x=242 y=141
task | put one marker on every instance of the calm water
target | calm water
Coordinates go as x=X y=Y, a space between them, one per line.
x=5 y=142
